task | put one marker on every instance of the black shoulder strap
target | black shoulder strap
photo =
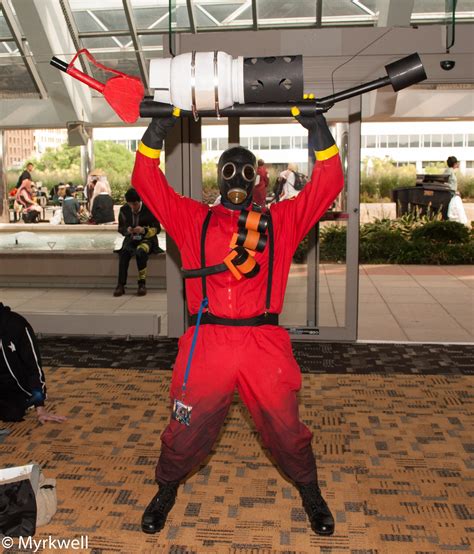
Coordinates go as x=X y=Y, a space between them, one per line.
x=270 y=262
x=203 y=250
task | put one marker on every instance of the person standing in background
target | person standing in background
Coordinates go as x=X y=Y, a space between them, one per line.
x=261 y=185
x=25 y=175
x=453 y=164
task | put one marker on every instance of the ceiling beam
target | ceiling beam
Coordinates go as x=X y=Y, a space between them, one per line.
x=27 y=59
x=74 y=33
x=43 y=26
x=254 y=15
x=192 y=19
x=127 y=8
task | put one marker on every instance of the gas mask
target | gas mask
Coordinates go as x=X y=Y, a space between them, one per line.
x=236 y=173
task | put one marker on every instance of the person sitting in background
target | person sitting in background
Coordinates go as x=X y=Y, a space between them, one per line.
x=452 y=163
x=140 y=229
x=287 y=183
x=22 y=381
x=26 y=174
x=102 y=204
x=24 y=198
x=261 y=184
x=71 y=208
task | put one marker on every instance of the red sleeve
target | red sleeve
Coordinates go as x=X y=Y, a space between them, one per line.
x=175 y=212
x=299 y=215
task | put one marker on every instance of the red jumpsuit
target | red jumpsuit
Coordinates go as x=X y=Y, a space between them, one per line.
x=257 y=361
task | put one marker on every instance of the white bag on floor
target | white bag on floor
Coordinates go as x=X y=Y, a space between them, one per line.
x=27 y=500
x=57 y=217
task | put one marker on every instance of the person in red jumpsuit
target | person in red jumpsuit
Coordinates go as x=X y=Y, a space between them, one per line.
x=239 y=344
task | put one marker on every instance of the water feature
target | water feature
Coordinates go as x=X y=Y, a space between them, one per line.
x=64 y=241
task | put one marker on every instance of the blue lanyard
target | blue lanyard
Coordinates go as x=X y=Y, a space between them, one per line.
x=203 y=305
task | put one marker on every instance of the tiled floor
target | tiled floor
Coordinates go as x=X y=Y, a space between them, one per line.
x=396 y=303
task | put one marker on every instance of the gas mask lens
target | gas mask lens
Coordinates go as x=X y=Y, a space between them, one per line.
x=229 y=171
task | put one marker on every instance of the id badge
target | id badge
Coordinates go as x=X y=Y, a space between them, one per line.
x=181 y=412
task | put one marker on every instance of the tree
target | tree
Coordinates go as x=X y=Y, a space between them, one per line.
x=113 y=157
x=62 y=158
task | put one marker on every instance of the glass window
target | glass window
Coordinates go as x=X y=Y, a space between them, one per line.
x=403 y=141
x=426 y=141
x=304 y=142
x=298 y=142
x=223 y=144
x=447 y=140
x=245 y=142
x=214 y=144
x=414 y=141
x=285 y=143
x=458 y=140
x=383 y=141
x=470 y=140
x=370 y=141
x=470 y=164
x=435 y=141
x=264 y=143
x=392 y=141
x=274 y=143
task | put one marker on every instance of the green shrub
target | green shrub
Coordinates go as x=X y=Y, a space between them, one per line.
x=332 y=243
x=442 y=232
x=407 y=240
x=466 y=186
x=382 y=246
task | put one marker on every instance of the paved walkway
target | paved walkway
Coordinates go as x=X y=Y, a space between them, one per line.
x=396 y=303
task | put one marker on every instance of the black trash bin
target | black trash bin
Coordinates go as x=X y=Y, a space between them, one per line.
x=431 y=194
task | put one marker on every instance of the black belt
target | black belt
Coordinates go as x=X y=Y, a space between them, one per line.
x=262 y=319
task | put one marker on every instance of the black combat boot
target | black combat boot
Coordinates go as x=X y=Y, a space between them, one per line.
x=319 y=514
x=154 y=517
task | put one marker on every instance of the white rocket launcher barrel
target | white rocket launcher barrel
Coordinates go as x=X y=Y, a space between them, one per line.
x=211 y=84
x=202 y=81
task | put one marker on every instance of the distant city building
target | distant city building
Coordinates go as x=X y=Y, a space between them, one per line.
x=48 y=138
x=22 y=145
x=19 y=147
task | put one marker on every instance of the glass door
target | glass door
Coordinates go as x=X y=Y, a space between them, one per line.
x=322 y=294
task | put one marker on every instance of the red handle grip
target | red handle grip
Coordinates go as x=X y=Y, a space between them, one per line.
x=84 y=78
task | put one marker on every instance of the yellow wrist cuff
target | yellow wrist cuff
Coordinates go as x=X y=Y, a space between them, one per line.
x=148 y=152
x=326 y=154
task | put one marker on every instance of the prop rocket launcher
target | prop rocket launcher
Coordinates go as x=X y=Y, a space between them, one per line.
x=213 y=84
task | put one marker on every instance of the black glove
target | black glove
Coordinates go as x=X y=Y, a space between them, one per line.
x=320 y=138
x=156 y=132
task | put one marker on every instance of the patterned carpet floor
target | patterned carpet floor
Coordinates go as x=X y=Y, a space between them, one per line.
x=395 y=458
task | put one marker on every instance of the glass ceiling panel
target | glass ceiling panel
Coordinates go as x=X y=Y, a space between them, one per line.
x=348 y=11
x=434 y=11
x=102 y=15
x=153 y=14
x=4 y=30
x=109 y=43
x=226 y=12
x=152 y=44
x=121 y=61
x=15 y=81
x=286 y=12
x=9 y=48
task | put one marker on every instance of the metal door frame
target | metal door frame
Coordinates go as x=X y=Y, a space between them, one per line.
x=313 y=332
